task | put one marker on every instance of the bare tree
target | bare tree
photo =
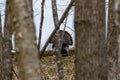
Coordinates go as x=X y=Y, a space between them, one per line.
x=27 y=53
x=91 y=57
x=41 y=24
x=58 y=42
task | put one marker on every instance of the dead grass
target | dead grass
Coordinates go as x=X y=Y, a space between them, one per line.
x=49 y=67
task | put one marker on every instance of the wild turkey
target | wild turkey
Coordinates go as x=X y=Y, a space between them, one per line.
x=67 y=40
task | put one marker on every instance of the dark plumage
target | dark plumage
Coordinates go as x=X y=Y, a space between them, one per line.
x=64 y=49
x=67 y=40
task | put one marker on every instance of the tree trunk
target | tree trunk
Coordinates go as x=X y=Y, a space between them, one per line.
x=112 y=44
x=117 y=15
x=91 y=58
x=1 y=51
x=30 y=6
x=58 y=42
x=27 y=53
x=7 y=55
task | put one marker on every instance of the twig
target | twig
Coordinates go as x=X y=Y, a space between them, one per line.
x=63 y=33
x=15 y=74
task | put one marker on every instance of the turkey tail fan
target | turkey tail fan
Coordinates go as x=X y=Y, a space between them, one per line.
x=66 y=37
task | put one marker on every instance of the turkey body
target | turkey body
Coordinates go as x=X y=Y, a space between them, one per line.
x=67 y=41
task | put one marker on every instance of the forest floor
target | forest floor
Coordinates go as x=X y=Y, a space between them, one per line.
x=49 y=67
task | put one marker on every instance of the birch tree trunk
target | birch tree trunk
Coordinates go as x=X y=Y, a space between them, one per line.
x=27 y=53
x=91 y=58
x=112 y=44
